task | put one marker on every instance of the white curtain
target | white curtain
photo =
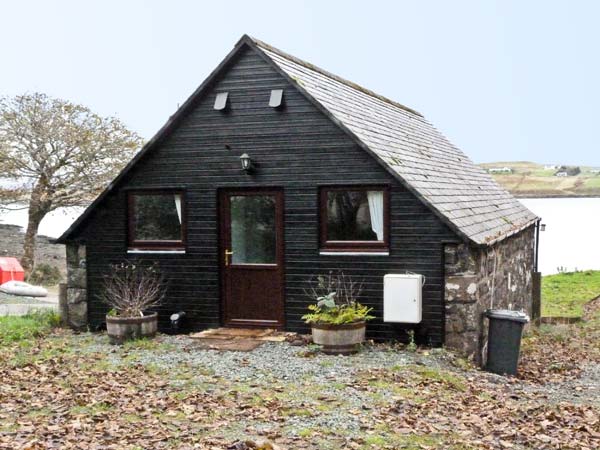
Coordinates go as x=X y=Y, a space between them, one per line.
x=178 y=206
x=376 y=210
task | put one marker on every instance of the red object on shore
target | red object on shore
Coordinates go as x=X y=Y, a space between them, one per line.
x=10 y=269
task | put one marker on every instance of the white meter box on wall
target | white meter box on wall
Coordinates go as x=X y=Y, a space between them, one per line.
x=402 y=298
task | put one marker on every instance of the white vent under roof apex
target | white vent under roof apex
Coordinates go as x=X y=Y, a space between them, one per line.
x=276 y=99
x=221 y=101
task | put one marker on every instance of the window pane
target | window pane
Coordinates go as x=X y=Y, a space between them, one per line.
x=157 y=217
x=253 y=234
x=354 y=215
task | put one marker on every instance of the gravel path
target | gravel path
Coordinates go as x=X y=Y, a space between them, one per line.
x=271 y=362
x=329 y=398
x=15 y=305
x=304 y=382
x=585 y=389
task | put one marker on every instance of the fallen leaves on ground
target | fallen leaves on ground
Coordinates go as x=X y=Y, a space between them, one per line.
x=61 y=393
x=485 y=413
x=557 y=353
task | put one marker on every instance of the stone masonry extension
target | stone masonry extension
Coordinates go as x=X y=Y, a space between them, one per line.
x=76 y=287
x=477 y=279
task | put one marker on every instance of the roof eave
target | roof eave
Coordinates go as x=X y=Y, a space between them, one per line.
x=257 y=44
x=160 y=134
x=499 y=239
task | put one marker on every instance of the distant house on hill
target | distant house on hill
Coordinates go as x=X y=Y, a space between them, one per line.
x=275 y=171
x=551 y=167
x=567 y=171
x=500 y=170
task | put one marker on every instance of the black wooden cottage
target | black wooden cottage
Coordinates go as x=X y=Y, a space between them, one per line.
x=335 y=177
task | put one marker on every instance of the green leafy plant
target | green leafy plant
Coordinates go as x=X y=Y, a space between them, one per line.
x=327 y=301
x=336 y=300
x=45 y=274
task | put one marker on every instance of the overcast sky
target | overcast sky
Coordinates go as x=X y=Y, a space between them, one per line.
x=503 y=80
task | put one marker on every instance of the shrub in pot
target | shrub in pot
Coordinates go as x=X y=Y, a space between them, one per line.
x=337 y=319
x=131 y=291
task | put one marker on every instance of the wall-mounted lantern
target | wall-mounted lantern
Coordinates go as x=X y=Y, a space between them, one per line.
x=247 y=163
x=543 y=227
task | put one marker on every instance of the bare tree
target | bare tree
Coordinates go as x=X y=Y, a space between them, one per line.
x=131 y=289
x=346 y=291
x=56 y=154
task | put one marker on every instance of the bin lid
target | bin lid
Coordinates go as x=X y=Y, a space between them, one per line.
x=10 y=264
x=507 y=314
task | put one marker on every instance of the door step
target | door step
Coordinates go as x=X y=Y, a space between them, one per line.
x=238 y=339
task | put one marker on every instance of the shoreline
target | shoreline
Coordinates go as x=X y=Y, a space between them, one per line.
x=524 y=195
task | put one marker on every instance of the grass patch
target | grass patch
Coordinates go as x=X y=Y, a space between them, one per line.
x=565 y=294
x=154 y=345
x=406 y=441
x=592 y=183
x=91 y=410
x=41 y=412
x=440 y=375
x=33 y=325
x=305 y=432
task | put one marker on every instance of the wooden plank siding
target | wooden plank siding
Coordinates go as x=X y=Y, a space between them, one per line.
x=298 y=149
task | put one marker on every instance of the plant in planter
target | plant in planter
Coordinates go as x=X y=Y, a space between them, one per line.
x=131 y=291
x=338 y=320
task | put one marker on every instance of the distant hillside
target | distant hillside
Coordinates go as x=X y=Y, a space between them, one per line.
x=11 y=244
x=527 y=179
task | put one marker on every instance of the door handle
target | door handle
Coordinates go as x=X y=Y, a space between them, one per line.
x=227 y=255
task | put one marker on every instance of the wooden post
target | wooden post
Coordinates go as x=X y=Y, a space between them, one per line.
x=536 y=310
x=62 y=303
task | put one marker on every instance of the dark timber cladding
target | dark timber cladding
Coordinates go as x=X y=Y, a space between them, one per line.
x=298 y=150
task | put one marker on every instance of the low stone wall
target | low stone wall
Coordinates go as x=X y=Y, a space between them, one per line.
x=76 y=306
x=478 y=279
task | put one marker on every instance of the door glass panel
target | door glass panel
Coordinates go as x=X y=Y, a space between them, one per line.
x=253 y=233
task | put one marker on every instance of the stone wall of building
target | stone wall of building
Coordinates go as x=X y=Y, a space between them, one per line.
x=476 y=279
x=76 y=305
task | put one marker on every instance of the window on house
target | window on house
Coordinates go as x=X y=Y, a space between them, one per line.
x=156 y=220
x=354 y=218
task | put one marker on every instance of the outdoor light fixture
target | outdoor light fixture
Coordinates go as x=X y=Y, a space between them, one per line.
x=247 y=164
x=543 y=227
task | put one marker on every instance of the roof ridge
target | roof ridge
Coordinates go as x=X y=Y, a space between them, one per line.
x=332 y=75
x=398 y=151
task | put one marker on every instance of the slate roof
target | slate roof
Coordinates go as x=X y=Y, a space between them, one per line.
x=437 y=172
x=462 y=194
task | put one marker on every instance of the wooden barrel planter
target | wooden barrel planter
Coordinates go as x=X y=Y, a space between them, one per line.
x=121 y=329
x=343 y=339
